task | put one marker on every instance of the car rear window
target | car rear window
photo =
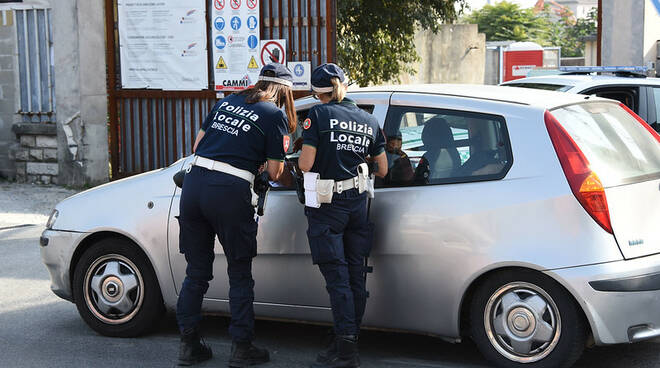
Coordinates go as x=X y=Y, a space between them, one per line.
x=619 y=149
x=545 y=86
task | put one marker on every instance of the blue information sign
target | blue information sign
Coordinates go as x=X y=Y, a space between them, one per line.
x=219 y=23
x=299 y=70
x=220 y=42
x=252 y=22
x=235 y=23
x=252 y=41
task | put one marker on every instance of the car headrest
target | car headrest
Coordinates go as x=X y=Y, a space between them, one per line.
x=437 y=134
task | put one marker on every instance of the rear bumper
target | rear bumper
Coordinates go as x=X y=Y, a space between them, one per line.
x=620 y=299
x=56 y=252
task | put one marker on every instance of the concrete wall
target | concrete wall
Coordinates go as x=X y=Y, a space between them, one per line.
x=456 y=54
x=8 y=94
x=651 y=32
x=80 y=91
x=623 y=30
x=591 y=53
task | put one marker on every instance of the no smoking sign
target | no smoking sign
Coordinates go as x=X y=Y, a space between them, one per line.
x=273 y=51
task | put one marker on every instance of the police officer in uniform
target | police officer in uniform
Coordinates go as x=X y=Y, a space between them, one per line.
x=240 y=134
x=337 y=137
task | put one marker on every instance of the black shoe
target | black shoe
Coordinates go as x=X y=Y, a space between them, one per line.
x=246 y=354
x=346 y=356
x=191 y=350
x=330 y=351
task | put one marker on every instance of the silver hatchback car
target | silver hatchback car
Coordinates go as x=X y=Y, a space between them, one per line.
x=525 y=220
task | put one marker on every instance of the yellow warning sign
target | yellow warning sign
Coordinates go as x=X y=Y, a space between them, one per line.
x=221 y=64
x=253 y=64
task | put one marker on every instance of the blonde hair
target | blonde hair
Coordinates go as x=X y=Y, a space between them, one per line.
x=338 y=90
x=277 y=93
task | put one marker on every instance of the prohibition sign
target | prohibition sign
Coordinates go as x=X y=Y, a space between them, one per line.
x=219 y=4
x=235 y=4
x=252 y=3
x=276 y=52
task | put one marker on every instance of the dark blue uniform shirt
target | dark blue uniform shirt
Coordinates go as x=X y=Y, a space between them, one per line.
x=244 y=135
x=343 y=135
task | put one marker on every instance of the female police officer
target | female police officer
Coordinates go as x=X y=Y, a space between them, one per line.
x=241 y=132
x=337 y=137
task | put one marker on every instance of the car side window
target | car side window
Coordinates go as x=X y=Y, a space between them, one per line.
x=629 y=96
x=436 y=146
x=656 y=98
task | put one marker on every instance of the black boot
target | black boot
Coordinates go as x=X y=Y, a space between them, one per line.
x=330 y=351
x=191 y=350
x=346 y=356
x=246 y=354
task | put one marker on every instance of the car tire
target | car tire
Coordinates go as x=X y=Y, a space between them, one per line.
x=526 y=319
x=116 y=290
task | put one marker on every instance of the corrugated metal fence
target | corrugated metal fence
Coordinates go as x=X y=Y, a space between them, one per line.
x=150 y=129
x=35 y=67
x=307 y=25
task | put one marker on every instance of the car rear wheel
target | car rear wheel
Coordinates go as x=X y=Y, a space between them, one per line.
x=115 y=289
x=525 y=319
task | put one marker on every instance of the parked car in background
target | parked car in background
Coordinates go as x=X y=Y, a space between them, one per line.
x=525 y=220
x=625 y=84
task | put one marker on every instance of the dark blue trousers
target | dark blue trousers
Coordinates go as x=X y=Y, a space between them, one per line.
x=214 y=203
x=340 y=238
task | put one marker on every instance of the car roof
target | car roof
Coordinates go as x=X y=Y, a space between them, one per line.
x=521 y=96
x=580 y=82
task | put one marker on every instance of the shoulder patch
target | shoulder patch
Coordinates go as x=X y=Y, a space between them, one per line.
x=286 y=141
x=307 y=123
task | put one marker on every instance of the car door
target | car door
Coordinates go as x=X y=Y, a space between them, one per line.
x=431 y=226
x=283 y=271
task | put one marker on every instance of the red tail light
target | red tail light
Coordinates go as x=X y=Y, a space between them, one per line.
x=584 y=183
x=641 y=121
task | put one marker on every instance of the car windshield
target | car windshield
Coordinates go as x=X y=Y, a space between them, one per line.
x=545 y=86
x=619 y=149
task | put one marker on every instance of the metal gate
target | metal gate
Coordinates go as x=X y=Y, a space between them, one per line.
x=150 y=129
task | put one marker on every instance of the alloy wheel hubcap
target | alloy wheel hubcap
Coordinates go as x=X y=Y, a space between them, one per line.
x=522 y=322
x=114 y=289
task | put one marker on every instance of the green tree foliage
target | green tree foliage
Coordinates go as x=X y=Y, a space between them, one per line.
x=375 y=38
x=569 y=33
x=506 y=21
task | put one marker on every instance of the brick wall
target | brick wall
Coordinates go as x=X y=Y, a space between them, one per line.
x=36 y=158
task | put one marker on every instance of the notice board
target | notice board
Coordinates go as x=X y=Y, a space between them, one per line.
x=162 y=44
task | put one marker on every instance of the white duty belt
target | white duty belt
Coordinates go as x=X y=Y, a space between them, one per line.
x=347 y=184
x=223 y=167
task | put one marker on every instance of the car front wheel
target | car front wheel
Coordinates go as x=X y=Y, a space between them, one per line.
x=525 y=319
x=115 y=289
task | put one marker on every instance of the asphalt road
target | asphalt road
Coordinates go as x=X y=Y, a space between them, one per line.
x=37 y=329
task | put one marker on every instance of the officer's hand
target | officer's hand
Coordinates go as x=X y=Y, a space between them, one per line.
x=261 y=183
x=297 y=145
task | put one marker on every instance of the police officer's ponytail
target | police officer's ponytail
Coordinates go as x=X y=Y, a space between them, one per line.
x=279 y=94
x=338 y=90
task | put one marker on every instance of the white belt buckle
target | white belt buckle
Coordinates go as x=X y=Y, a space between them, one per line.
x=340 y=187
